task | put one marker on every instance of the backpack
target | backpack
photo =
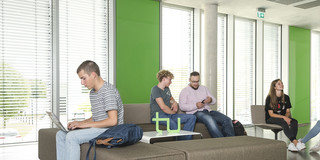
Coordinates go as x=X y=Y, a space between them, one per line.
x=119 y=135
x=238 y=128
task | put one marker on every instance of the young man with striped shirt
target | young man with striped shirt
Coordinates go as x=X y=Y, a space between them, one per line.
x=107 y=111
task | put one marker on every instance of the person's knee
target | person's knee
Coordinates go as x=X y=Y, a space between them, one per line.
x=60 y=135
x=318 y=123
x=71 y=137
x=192 y=117
x=294 y=121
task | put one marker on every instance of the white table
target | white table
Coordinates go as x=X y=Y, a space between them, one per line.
x=147 y=136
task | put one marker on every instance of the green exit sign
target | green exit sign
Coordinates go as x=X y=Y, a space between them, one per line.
x=260 y=14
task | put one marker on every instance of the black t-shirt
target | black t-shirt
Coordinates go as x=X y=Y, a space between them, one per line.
x=281 y=108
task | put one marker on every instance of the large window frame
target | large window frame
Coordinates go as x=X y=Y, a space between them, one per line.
x=42 y=32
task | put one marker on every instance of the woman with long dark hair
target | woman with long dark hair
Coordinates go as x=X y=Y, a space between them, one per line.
x=278 y=112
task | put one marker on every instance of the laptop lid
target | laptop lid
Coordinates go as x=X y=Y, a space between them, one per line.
x=56 y=121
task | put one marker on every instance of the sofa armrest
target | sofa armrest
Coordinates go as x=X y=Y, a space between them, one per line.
x=47 y=144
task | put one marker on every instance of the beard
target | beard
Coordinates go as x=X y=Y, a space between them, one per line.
x=194 y=87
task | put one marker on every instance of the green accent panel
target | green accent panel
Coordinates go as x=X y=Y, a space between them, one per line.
x=137 y=48
x=299 y=73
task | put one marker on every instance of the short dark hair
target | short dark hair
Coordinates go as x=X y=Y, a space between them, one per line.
x=88 y=67
x=194 y=73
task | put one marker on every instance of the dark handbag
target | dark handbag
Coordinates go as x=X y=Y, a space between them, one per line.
x=116 y=136
x=238 y=128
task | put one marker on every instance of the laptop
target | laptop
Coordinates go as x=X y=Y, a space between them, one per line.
x=56 y=121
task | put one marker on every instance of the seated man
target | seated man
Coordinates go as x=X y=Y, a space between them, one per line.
x=107 y=111
x=195 y=99
x=160 y=100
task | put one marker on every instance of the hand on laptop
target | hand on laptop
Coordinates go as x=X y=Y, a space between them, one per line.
x=76 y=124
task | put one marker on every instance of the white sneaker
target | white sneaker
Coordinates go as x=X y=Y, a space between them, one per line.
x=300 y=146
x=292 y=147
x=315 y=148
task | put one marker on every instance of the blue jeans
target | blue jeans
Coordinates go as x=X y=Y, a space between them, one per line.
x=312 y=133
x=214 y=118
x=68 y=144
x=188 y=120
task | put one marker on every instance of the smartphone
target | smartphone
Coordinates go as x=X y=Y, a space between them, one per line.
x=203 y=101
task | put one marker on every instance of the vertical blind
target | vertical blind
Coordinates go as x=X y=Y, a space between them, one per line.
x=271 y=56
x=244 y=69
x=84 y=31
x=25 y=69
x=315 y=76
x=177 y=45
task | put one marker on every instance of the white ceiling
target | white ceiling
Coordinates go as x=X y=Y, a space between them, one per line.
x=276 y=10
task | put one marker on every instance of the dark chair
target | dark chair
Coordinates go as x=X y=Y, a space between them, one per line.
x=258 y=119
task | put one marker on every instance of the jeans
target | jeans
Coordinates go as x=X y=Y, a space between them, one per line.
x=290 y=131
x=188 y=120
x=68 y=144
x=214 y=118
x=313 y=132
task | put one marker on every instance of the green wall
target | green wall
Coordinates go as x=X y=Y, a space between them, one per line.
x=299 y=73
x=137 y=48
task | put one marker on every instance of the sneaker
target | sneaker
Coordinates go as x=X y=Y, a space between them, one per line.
x=292 y=147
x=315 y=148
x=300 y=146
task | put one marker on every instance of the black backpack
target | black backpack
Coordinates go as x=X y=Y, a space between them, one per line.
x=120 y=135
x=238 y=128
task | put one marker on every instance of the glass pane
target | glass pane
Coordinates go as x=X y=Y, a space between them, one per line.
x=222 y=63
x=271 y=56
x=83 y=29
x=315 y=76
x=177 y=45
x=244 y=69
x=25 y=69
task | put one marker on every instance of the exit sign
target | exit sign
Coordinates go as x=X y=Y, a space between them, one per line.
x=260 y=14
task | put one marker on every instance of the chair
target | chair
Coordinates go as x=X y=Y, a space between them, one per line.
x=258 y=119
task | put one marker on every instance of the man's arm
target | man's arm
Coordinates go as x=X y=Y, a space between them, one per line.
x=112 y=120
x=210 y=98
x=163 y=106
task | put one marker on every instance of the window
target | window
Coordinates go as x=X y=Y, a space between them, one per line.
x=222 y=52
x=26 y=67
x=244 y=69
x=177 y=45
x=26 y=61
x=84 y=33
x=221 y=56
x=315 y=76
x=271 y=56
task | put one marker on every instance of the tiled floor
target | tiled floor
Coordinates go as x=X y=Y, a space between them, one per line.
x=29 y=151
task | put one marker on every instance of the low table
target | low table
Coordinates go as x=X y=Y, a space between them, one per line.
x=149 y=137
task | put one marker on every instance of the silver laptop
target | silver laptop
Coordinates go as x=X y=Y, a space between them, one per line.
x=56 y=121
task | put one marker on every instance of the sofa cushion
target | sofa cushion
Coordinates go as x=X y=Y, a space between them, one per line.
x=136 y=151
x=239 y=147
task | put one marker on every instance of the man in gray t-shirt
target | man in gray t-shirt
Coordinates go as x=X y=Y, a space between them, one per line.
x=161 y=101
x=106 y=107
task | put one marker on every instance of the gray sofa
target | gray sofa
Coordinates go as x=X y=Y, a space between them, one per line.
x=239 y=147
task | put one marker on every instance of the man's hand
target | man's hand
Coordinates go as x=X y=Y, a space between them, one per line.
x=208 y=100
x=77 y=124
x=174 y=107
x=199 y=105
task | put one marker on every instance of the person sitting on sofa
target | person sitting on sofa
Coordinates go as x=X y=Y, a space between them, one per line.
x=277 y=110
x=106 y=108
x=161 y=101
x=195 y=99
